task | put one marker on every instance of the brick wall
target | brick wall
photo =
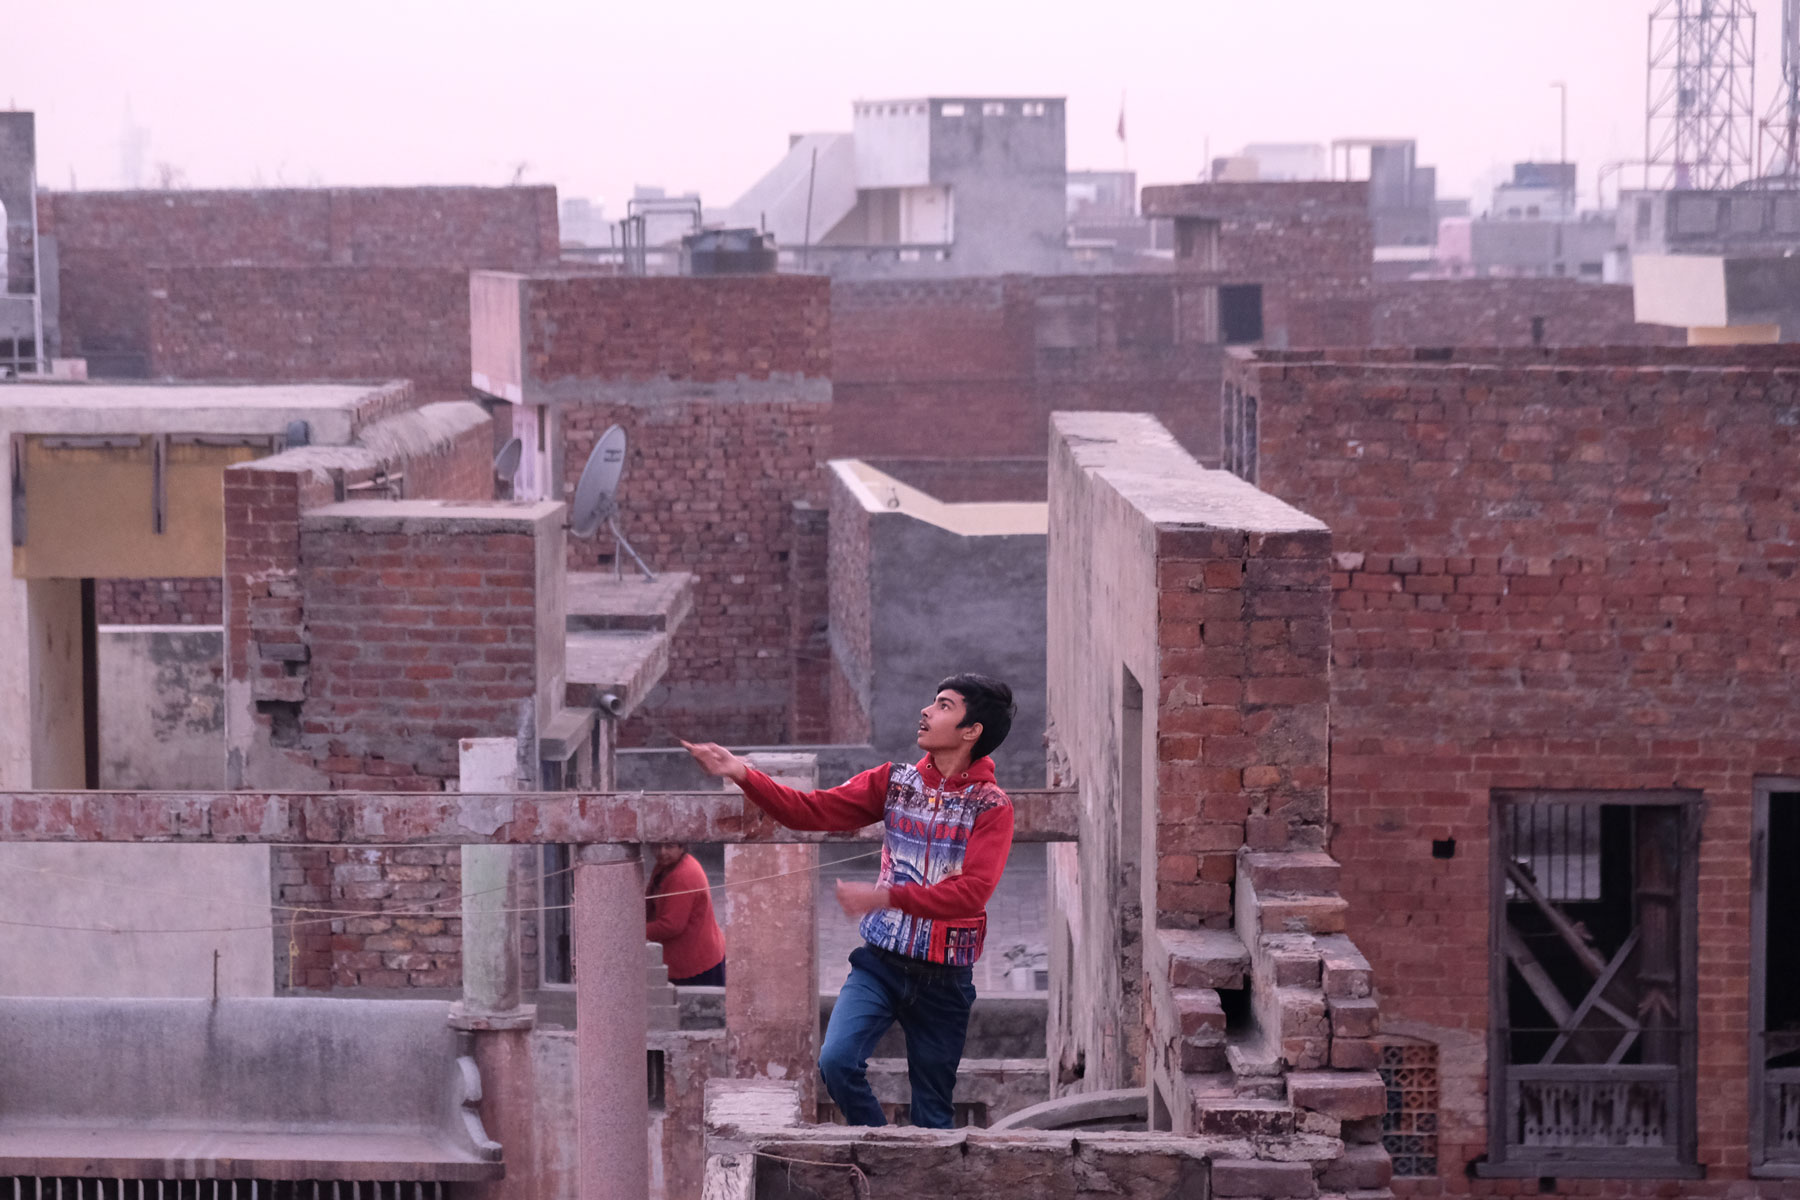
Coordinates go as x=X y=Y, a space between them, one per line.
x=1243 y=625
x=1311 y=247
x=1582 y=573
x=1497 y=312
x=159 y=601
x=969 y=370
x=682 y=330
x=849 y=626
x=722 y=386
x=279 y=324
x=106 y=241
x=809 y=606
x=709 y=488
x=337 y=648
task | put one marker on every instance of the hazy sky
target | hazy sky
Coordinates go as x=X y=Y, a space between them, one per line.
x=701 y=94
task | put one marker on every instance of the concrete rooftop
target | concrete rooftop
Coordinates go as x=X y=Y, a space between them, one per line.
x=143 y=408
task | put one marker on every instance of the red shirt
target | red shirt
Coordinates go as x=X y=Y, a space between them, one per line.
x=944 y=846
x=691 y=939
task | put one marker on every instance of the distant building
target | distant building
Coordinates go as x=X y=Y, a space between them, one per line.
x=1106 y=229
x=1537 y=190
x=934 y=186
x=584 y=222
x=1723 y=265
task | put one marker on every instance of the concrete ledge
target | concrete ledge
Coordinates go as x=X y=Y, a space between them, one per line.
x=420 y=517
x=158 y=1089
x=456 y=818
x=1149 y=469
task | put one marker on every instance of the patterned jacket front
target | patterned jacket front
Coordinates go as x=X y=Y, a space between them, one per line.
x=944 y=846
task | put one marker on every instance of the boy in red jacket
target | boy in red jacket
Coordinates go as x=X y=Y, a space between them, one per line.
x=947 y=830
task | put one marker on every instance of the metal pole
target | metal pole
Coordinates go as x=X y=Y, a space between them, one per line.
x=1563 y=154
x=806 y=239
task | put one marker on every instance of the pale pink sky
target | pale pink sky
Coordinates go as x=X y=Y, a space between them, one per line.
x=701 y=94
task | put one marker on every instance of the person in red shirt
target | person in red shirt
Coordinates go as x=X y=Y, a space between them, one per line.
x=679 y=911
x=947 y=828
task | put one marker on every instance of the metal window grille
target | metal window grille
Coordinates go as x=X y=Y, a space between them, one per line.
x=1592 y=1049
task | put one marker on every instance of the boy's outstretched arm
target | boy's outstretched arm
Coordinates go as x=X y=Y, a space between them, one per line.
x=852 y=805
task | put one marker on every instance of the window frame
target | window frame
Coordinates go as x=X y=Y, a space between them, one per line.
x=1599 y=1162
x=1764 y=789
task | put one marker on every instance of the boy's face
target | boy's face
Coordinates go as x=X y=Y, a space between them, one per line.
x=938 y=723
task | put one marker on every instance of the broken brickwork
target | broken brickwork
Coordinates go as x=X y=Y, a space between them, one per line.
x=1197 y=932
x=363 y=639
x=1570 y=574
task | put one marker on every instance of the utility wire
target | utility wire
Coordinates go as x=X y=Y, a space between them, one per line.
x=328 y=915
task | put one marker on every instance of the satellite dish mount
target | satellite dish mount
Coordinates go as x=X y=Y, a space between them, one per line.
x=596 y=500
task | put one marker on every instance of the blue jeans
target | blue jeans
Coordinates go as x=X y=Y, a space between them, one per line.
x=932 y=1005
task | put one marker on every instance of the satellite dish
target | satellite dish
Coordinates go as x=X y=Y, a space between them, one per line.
x=596 y=500
x=506 y=463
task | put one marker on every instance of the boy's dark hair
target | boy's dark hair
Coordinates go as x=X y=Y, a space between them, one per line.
x=985 y=700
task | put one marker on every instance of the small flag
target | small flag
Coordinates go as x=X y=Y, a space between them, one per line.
x=1121 y=118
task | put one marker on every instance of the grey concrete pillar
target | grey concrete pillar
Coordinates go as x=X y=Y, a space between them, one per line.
x=492 y=1007
x=772 y=950
x=612 y=1089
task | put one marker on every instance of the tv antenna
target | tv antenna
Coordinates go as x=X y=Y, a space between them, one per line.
x=597 y=498
x=506 y=463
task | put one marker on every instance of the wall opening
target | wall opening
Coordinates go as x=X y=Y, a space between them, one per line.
x=1592 y=1047
x=1240 y=313
x=1775 y=975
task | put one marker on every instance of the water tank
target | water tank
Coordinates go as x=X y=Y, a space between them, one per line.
x=729 y=252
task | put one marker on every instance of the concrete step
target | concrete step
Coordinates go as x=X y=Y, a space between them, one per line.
x=1305 y=872
x=1204 y=958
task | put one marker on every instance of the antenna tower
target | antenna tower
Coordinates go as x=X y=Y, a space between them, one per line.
x=1781 y=128
x=1700 y=116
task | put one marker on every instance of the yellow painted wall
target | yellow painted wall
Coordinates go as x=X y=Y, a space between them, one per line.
x=58 y=742
x=89 y=510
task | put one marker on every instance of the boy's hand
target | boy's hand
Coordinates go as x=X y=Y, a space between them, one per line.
x=858 y=898
x=717 y=761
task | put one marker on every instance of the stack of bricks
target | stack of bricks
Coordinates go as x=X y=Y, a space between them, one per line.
x=1244 y=623
x=159 y=601
x=1568 y=571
